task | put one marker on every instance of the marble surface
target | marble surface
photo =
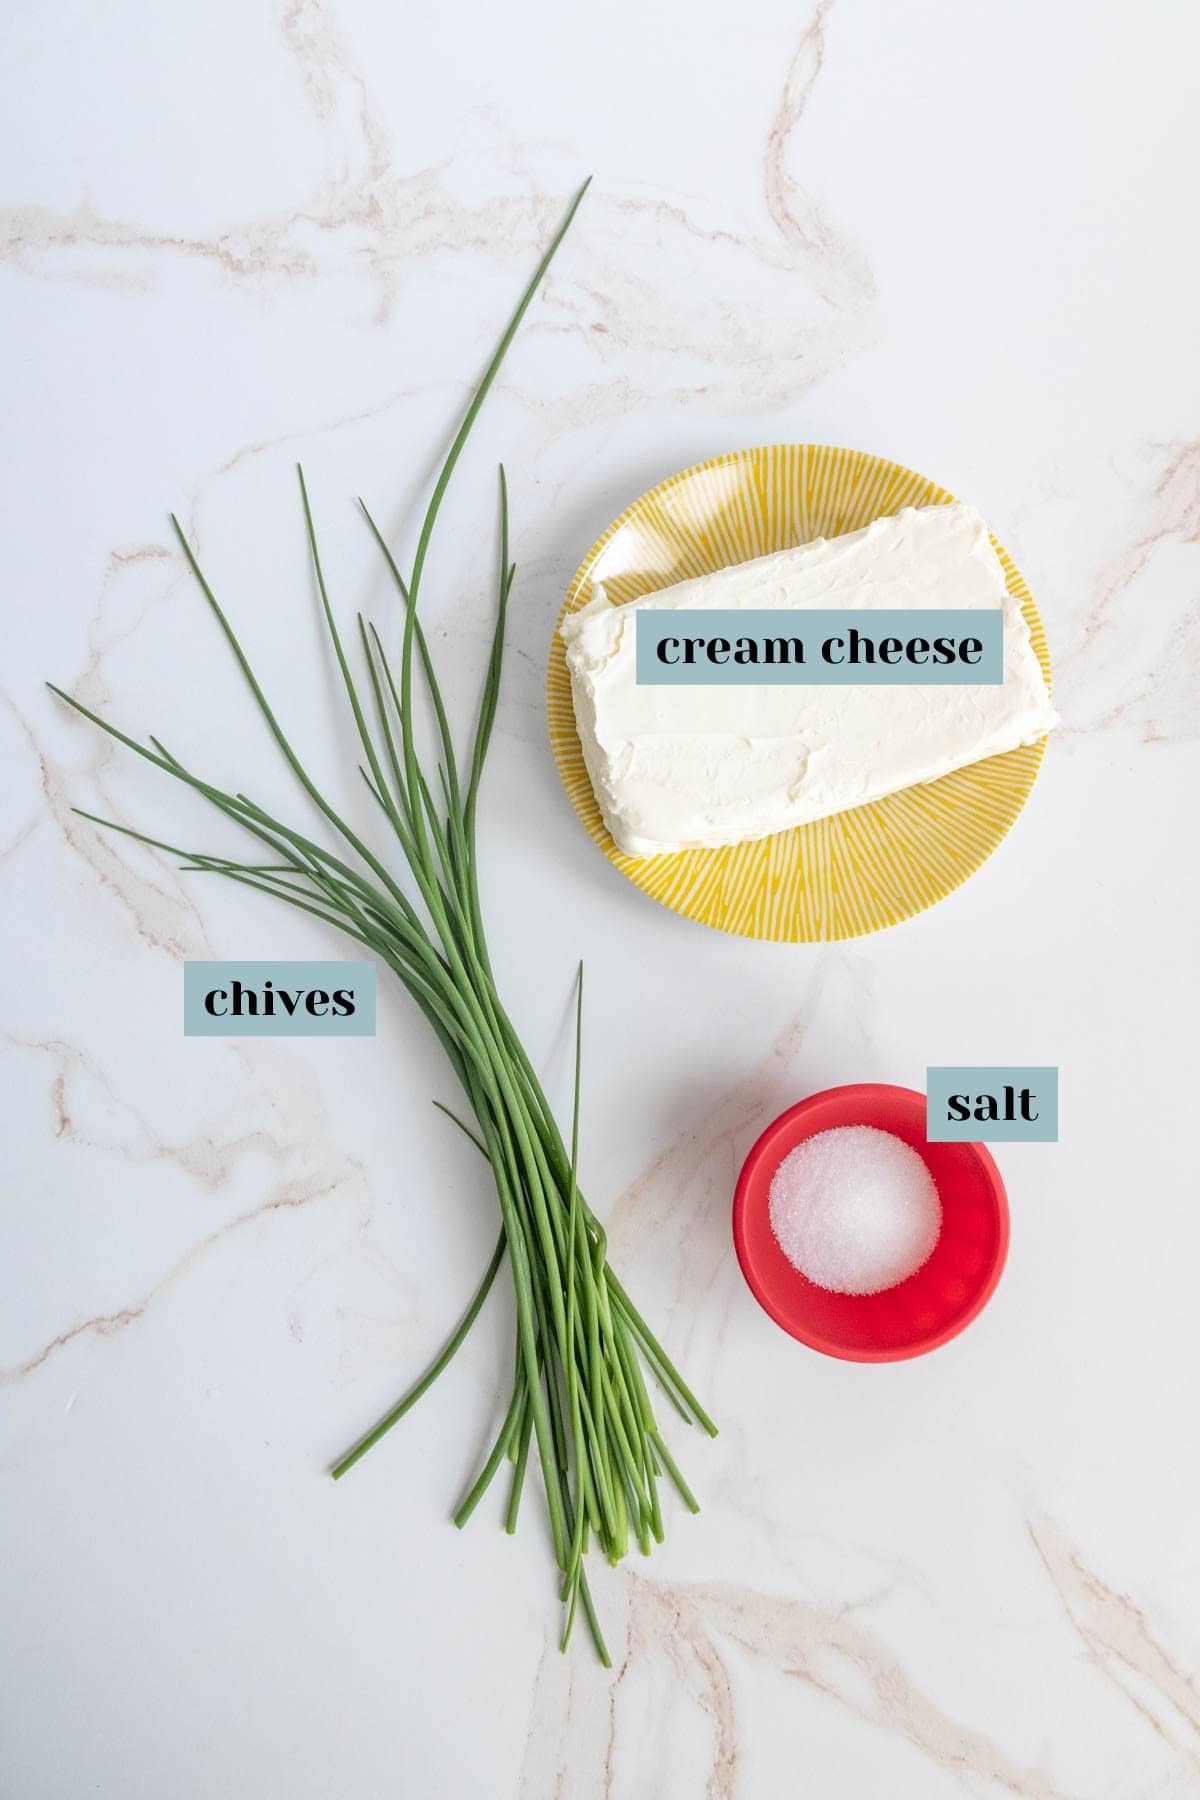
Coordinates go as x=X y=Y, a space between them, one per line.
x=237 y=236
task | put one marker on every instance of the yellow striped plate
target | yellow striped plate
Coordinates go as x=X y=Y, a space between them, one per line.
x=860 y=870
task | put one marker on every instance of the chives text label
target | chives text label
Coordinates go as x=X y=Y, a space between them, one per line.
x=720 y=647
x=279 y=999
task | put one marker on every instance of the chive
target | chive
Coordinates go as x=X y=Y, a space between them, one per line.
x=578 y=1390
x=432 y=1372
x=518 y=1479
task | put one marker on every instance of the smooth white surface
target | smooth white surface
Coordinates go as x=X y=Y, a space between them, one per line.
x=678 y=768
x=244 y=234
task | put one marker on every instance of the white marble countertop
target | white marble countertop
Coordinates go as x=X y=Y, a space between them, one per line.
x=244 y=234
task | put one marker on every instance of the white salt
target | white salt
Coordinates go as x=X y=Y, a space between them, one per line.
x=855 y=1209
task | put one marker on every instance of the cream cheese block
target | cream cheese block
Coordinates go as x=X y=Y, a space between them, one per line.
x=679 y=768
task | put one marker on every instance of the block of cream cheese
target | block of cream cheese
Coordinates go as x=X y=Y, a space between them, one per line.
x=677 y=768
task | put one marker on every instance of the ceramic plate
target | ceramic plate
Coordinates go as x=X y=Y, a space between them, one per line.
x=839 y=877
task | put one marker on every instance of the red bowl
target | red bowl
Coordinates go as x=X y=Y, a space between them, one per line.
x=917 y=1315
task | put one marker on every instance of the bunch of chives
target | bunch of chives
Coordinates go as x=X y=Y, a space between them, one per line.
x=579 y=1393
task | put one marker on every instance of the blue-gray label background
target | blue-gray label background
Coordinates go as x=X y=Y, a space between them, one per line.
x=940 y=1083
x=814 y=627
x=200 y=978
